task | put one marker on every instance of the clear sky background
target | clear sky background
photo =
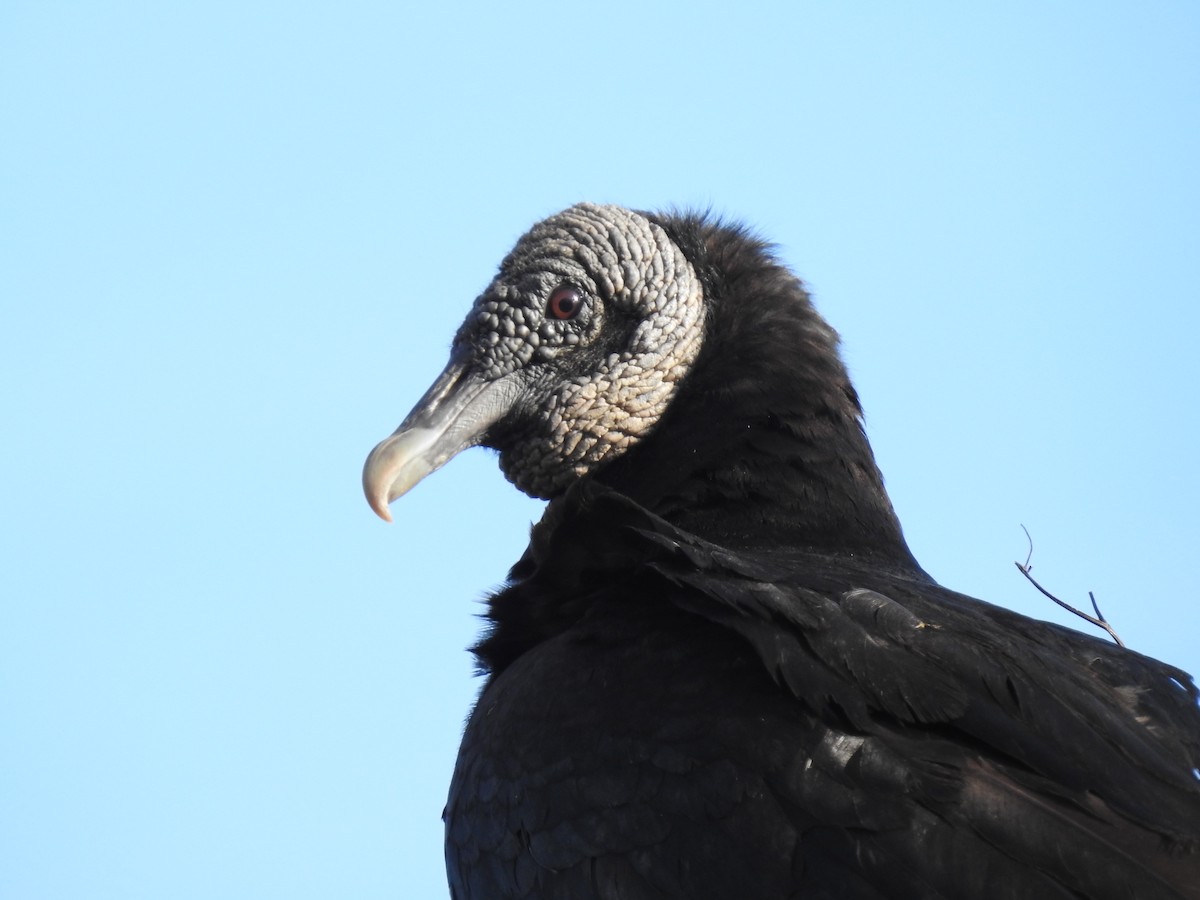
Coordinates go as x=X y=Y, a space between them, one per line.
x=236 y=239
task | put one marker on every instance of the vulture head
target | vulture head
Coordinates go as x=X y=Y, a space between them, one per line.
x=670 y=357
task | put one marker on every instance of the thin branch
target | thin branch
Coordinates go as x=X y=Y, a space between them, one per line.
x=1029 y=555
x=1098 y=620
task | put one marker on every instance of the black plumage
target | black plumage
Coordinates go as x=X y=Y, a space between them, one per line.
x=718 y=672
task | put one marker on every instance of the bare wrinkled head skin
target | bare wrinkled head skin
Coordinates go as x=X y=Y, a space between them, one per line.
x=592 y=398
x=570 y=356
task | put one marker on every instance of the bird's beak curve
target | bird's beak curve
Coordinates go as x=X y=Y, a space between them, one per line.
x=454 y=414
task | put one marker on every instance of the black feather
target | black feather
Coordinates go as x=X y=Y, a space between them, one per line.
x=717 y=672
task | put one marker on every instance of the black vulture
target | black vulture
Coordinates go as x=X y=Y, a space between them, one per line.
x=717 y=670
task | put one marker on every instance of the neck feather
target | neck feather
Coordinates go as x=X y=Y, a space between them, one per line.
x=763 y=444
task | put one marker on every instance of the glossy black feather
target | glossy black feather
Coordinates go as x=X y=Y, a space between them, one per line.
x=717 y=672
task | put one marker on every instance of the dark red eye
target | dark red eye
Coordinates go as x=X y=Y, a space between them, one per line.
x=565 y=302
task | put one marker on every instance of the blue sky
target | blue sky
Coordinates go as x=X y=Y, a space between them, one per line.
x=236 y=239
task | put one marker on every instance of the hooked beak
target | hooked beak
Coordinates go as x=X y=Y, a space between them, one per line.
x=454 y=414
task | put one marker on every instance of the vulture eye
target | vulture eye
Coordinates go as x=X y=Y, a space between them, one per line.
x=565 y=302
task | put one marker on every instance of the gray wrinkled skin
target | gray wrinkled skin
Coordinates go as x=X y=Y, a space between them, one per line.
x=624 y=267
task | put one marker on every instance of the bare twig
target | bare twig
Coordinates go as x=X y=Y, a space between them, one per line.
x=1098 y=620
x=1029 y=555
